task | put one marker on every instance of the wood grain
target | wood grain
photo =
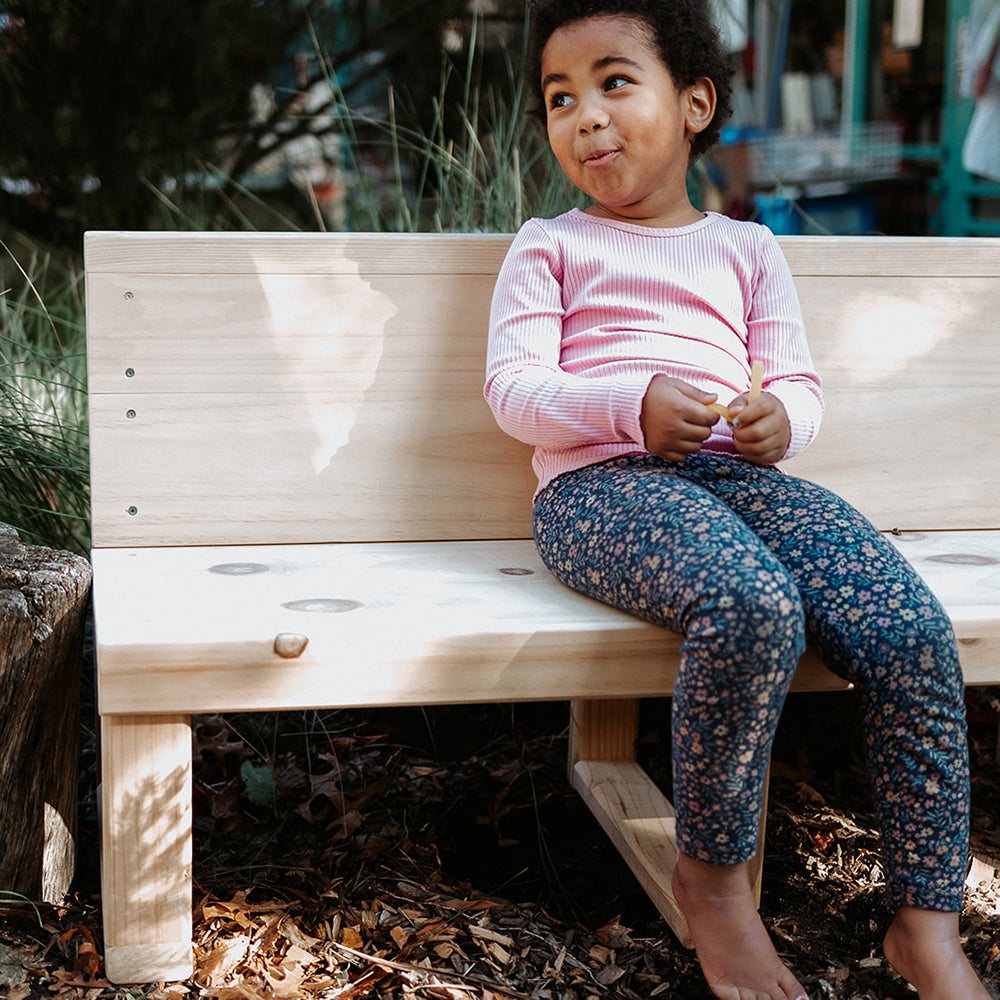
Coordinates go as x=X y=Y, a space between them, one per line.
x=146 y=847
x=296 y=387
x=300 y=500
x=44 y=598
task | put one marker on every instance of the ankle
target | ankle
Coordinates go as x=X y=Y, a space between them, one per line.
x=693 y=876
x=924 y=947
x=918 y=929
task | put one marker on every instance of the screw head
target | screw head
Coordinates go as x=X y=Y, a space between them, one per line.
x=129 y=373
x=130 y=414
x=132 y=511
x=129 y=296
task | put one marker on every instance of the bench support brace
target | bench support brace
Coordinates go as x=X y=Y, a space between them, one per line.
x=146 y=847
x=631 y=810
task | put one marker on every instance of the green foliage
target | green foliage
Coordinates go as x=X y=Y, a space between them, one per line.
x=98 y=96
x=258 y=780
x=491 y=176
x=8 y=897
x=104 y=102
x=43 y=423
x=481 y=164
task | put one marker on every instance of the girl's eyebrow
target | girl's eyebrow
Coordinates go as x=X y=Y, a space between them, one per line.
x=603 y=63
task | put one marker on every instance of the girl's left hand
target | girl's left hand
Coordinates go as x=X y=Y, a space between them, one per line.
x=761 y=430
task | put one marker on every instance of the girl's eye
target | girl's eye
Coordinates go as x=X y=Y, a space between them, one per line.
x=559 y=101
x=615 y=82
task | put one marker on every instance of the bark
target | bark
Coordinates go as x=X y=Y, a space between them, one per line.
x=44 y=596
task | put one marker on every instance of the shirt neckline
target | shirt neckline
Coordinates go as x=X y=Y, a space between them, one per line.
x=656 y=231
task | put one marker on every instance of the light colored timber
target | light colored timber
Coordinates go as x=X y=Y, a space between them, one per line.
x=602 y=729
x=212 y=407
x=640 y=823
x=424 y=623
x=146 y=847
x=326 y=253
x=301 y=500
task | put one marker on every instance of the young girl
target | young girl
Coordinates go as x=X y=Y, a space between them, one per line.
x=611 y=332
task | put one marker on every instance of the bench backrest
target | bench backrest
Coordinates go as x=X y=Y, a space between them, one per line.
x=272 y=388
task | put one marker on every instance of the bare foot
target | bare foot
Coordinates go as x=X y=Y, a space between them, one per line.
x=734 y=949
x=923 y=947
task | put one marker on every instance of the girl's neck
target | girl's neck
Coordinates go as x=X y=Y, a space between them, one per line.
x=683 y=215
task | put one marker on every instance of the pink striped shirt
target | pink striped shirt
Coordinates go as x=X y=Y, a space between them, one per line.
x=587 y=310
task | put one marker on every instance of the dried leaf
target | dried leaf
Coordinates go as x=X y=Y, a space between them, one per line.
x=609 y=974
x=614 y=935
x=490 y=935
x=223 y=958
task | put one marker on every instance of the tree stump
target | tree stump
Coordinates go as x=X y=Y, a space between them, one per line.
x=44 y=596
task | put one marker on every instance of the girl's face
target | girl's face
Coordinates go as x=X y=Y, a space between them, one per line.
x=617 y=123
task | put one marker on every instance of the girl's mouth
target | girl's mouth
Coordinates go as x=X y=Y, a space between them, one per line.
x=599 y=159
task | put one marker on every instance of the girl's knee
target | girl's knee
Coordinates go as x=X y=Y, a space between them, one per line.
x=752 y=626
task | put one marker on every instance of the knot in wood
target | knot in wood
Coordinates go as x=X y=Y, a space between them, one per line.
x=290 y=645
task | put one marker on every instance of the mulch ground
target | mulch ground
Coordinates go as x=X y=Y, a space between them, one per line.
x=440 y=853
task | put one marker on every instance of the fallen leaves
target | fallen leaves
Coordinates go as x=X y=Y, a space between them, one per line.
x=344 y=886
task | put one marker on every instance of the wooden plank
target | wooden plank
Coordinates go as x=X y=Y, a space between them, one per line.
x=428 y=624
x=293 y=253
x=291 y=389
x=329 y=253
x=278 y=333
x=193 y=630
x=640 y=822
x=894 y=357
x=755 y=866
x=305 y=467
x=146 y=894
x=891 y=256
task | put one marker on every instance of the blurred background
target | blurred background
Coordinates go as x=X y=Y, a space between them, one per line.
x=403 y=115
x=850 y=115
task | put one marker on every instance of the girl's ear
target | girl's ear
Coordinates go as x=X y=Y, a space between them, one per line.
x=700 y=105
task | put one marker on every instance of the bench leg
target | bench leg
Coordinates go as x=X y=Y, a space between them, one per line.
x=146 y=847
x=632 y=811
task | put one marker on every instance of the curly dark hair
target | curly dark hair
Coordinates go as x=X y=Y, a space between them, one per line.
x=683 y=31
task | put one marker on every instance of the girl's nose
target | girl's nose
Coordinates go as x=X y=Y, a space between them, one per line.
x=592 y=123
x=591 y=117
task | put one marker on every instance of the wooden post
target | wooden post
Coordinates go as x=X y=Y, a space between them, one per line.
x=44 y=595
x=146 y=847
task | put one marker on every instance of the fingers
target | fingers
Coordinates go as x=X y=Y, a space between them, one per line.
x=761 y=431
x=675 y=419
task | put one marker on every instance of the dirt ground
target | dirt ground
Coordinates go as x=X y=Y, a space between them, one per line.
x=441 y=853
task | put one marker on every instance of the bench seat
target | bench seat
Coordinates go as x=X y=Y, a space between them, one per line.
x=194 y=629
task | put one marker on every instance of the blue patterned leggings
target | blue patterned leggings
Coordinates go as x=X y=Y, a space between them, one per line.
x=746 y=563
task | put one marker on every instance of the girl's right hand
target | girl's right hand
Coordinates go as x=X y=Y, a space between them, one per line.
x=675 y=419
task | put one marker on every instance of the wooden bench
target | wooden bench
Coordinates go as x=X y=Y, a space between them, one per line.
x=300 y=500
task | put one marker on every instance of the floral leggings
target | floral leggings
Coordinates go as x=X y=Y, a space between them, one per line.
x=746 y=563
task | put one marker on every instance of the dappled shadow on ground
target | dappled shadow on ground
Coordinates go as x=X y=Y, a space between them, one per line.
x=441 y=853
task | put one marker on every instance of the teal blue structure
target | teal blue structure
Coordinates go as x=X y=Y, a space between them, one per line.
x=957 y=190
x=957 y=193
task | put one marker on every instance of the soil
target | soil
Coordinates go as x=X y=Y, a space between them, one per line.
x=441 y=852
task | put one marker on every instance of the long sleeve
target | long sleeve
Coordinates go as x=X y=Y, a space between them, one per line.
x=533 y=398
x=776 y=336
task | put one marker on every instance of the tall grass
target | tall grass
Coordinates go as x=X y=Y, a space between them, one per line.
x=495 y=173
x=43 y=416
